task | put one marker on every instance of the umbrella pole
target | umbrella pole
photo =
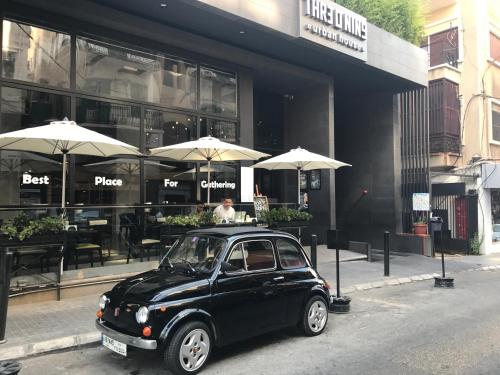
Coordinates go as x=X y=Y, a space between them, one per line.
x=63 y=193
x=63 y=206
x=298 y=187
x=208 y=186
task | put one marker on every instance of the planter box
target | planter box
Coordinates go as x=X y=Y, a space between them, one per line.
x=412 y=243
x=289 y=224
x=33 y=241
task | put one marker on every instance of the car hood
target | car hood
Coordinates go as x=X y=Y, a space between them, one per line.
x=160 y=285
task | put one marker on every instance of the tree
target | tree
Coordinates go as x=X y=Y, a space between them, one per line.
x=403 y=18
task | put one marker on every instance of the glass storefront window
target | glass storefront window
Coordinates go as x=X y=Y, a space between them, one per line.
x=223 y=181
x=106 y=180
x=27 y=177
x=111 y=70
x=119 y=121
x=165 y=128
x=112 y=180
x=169 y=182
x=224 y=130
x=35 y=54
x=218 y=92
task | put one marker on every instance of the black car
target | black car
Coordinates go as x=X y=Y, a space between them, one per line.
x=214 y=287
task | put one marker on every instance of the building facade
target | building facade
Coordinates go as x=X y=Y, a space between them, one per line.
x=266 y=74
x=463 y=45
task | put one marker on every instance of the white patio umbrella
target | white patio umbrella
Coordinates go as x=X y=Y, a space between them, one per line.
x=126 y=166
x=64 y=137
x=301 y=160
x=204 y=169
x=207 y=149
x=15 y=160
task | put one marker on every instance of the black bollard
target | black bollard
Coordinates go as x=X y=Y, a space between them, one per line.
x=314 y=251
x=386 y=253
x=5 y=267
x=338 y=304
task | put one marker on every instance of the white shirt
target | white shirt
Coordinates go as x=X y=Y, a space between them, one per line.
x=221 y=213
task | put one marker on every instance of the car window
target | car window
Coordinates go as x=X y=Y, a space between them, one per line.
x=236 y=259
x=201 y=252
x=259 y=255
x=290 y=254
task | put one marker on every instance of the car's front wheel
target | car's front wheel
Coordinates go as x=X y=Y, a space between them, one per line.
x=315 y=316
x=189 y=349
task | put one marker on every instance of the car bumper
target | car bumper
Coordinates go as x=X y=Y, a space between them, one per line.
x=138 y=342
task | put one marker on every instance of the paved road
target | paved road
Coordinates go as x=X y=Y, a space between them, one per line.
x=407 y=329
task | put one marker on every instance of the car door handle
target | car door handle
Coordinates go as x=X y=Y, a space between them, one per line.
x=279 y=278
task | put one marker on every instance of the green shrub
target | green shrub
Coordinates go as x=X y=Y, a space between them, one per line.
x=475 y=244
x=206 y=218
x=183 y=220
x=282 y=214
x=22 y=227
x=403 y=18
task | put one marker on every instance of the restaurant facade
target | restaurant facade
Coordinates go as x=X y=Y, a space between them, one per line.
x=267 y=74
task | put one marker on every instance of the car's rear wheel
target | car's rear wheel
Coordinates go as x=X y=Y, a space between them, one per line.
x=189 y=349
x=315 y=316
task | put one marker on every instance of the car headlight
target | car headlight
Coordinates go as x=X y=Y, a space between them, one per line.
x=142 y=315
x=103 y=300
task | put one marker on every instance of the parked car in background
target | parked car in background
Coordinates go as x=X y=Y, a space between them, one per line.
x=215 y=287
x=496 y=232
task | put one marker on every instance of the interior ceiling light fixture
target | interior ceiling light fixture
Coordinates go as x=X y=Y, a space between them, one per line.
x=163 y=5
x=242 y=32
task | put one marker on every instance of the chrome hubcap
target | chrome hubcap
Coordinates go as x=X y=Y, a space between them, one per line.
x=194 y=350
x=316 y=318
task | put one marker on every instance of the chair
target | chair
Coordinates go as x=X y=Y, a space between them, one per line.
x=84 y=243
x=102 y=226
x=127 y=221
x=137 y=241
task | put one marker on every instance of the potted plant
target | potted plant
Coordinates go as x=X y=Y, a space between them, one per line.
x=23 y=229
x=420 y=226
x=180 y=224
x=206 y=218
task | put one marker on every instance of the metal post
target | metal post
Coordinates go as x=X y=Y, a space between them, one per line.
x=208 y=181
x=442 y=254
x=5 y=268
x=386 y=253
x=298 y=187
x=337 y=261
x=314 y=251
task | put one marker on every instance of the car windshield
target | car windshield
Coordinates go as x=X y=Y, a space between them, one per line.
x=199 y=253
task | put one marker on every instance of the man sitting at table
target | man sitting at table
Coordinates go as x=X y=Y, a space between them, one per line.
x=225 y=212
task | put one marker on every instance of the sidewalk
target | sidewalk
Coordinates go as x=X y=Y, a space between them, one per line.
x=41 y=327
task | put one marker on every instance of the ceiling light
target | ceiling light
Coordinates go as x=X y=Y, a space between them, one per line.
x=242 y=32
x=163 y=5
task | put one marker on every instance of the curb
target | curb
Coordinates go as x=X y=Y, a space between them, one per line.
x=407 y=280
x=27 y=350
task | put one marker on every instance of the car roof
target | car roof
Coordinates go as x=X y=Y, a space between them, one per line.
x=229 y=231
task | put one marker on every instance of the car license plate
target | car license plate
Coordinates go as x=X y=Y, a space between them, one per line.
x=116 y=346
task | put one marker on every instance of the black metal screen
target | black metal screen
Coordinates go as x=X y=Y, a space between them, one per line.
x=414 y=150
